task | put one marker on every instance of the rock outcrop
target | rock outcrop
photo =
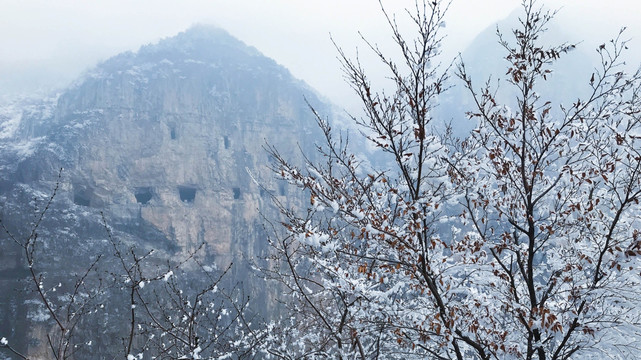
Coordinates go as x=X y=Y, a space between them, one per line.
x=167 y=143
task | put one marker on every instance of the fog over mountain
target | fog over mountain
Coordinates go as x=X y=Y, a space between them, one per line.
x=49 y=43
x=163 y=147
x=484 y=61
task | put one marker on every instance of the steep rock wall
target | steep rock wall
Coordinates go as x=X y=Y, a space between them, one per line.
x=167 y=143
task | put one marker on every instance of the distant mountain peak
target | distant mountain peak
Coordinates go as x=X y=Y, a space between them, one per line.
x=200 y=38
x=207 y=32
x=200 y=44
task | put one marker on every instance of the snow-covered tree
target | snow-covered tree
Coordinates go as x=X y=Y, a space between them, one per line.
x=519 y=241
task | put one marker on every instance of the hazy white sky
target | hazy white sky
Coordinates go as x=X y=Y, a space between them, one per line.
x=43 y=41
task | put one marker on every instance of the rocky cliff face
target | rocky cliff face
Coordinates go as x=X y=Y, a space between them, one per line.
x=167 y=143
x=170 y=135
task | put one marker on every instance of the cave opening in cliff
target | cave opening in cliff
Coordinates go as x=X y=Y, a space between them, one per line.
x=236 y=193
x=81 y=199
x=187 y=194
x=227 y=142
x=143 y=195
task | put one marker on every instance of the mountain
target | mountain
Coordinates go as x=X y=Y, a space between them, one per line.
x=165 y=144
x=485 y=62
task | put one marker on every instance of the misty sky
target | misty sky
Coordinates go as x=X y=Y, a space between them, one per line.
x=46 y=42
